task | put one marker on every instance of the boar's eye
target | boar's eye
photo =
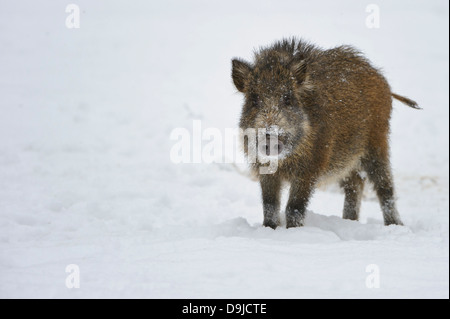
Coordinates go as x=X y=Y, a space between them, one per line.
x=286 y=99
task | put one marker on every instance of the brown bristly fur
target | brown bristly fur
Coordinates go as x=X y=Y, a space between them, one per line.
x=334 y=108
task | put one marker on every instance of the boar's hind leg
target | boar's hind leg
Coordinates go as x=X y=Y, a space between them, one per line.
x=271 y=189
x=379 y=173
x=353 y=186
x=298 y=200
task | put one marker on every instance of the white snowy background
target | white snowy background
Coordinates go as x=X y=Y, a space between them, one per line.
x=86 y=177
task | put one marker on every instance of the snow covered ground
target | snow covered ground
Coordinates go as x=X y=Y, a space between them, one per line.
x=86 y=177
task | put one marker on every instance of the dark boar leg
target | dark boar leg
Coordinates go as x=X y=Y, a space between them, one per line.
x=299 y=195
x=353 y=187
x=271 y=192
x=379 y=172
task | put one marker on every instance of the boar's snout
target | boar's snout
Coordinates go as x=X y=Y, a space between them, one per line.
x=271 y=146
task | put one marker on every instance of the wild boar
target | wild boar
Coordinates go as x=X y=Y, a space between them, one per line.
x=331 y=110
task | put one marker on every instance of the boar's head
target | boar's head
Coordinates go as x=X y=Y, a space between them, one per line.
x=273 y=88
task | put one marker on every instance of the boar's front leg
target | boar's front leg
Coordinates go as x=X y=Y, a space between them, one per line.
x=299 y=195
x=271 y=190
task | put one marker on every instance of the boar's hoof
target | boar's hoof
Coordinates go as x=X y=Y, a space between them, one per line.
x=294 y=219
x=395 y=221
x=271 y=223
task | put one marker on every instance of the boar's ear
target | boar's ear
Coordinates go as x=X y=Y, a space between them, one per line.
x=298 y=69
x=240 y=72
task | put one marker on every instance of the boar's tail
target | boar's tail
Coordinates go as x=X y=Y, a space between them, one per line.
x=407 y=101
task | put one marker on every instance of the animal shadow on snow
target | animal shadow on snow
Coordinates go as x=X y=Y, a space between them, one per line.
x=318 y=228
